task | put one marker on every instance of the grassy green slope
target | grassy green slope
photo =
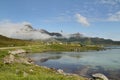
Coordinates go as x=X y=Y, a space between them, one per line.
x=8 y=42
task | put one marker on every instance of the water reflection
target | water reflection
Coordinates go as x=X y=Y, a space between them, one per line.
x=83 y=63
x=49 y=58
x=77 y=56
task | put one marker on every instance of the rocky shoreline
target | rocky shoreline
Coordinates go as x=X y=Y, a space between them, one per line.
x=19 y=56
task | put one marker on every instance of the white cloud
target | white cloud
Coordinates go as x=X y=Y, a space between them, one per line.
x=18 y=30
x=82 y=20
x=7 y=28
x=114 y=17
x=110 y=2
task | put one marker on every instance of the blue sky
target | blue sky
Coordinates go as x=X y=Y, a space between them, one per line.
x=97 y=18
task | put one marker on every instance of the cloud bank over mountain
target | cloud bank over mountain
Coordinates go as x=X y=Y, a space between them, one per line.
x=22 y=30
x=25 y=31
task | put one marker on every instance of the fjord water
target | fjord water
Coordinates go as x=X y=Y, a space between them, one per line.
x=83 y=63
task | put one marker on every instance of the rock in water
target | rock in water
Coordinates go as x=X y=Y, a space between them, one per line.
x=100 y=76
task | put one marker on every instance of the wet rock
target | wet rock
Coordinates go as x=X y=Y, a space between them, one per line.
x=99 y=76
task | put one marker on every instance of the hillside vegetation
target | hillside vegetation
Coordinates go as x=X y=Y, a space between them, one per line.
x=90 y=41
x=41 y=46
x=8 y=42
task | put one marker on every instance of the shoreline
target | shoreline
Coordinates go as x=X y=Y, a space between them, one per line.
x=13 y=60
x=22 y=61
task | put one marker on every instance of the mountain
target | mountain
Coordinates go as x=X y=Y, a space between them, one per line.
x=51 y=34
x=90 y=40
x=76 y=35
x=27 y=32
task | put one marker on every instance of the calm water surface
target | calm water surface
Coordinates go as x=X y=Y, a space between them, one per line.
x=83 y=63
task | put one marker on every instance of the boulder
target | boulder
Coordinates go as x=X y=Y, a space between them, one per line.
x=19 y=52
x=23 y=60
x=9 y=59
x=99 y=76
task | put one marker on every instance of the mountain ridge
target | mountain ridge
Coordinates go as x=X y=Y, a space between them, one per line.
x=27 y=32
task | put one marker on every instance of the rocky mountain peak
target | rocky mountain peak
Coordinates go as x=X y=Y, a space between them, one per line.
x=77 y=35
x=27 y=27
x=43 y=31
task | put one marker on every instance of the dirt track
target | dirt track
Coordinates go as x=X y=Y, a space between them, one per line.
x=9 y=47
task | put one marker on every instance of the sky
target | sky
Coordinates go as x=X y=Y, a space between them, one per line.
x=95 y=18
